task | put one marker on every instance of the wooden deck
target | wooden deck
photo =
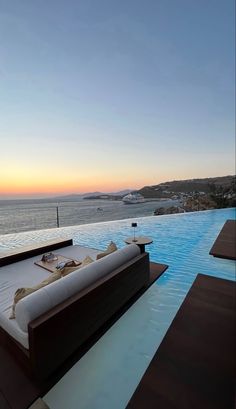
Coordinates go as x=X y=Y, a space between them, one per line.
x=225 y=244
x=194 y=367
x=18 y=391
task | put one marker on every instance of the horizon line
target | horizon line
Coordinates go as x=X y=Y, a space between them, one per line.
x=41 y=195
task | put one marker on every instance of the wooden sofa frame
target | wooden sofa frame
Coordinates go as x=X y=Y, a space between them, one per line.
x=59 y=333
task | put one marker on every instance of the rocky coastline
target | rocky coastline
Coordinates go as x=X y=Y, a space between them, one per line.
x=198 y=203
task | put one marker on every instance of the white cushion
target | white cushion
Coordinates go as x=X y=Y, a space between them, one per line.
x=47 y=297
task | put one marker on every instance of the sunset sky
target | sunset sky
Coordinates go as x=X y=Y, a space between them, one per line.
x=107 y=95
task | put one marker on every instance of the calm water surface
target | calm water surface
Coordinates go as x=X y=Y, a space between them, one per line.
x=26 y=215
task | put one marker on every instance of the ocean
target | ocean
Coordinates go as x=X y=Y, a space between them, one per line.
x=27 y=215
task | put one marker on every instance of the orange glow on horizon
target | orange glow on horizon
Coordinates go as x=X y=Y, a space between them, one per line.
x=35 y=182
x=64 y=187
x=58 y=181
x=60 y=190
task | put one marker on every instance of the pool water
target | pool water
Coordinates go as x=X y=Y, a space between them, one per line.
x=108 y=374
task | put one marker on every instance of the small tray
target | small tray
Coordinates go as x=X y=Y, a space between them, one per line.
x=51 y=265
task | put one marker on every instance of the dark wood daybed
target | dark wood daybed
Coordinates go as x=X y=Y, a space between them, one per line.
x=60 y=332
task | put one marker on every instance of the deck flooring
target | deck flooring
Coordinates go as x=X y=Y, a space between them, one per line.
x=194 y=367
x=225 y=244
x=18 y=391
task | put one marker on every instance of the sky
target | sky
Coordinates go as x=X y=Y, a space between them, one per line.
x=107 y=95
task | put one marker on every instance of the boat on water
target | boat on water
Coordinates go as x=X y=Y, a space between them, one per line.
x=133 y=198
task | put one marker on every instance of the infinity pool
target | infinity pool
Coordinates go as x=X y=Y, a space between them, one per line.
x=108 y=374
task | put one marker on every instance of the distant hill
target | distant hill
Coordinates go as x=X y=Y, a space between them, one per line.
x=74 y=197
x=120 y=193
x=163 y=190
x=207 y=185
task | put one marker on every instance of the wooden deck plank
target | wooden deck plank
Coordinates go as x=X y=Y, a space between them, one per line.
x=18 y=391
x=156 y=270
x=225 y=244
x=194 y=367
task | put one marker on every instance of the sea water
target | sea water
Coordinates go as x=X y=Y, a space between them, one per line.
x=25 y=215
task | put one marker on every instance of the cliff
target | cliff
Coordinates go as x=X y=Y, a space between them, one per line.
x=206 y=186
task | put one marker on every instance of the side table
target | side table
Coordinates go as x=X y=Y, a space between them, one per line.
x=141 y=241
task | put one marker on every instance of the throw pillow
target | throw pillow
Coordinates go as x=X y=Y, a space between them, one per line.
x=69 y=269
x=110 y=249
x=87 y=260
x=24 y=291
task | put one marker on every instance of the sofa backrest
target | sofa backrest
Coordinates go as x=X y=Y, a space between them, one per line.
x=53 y=294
